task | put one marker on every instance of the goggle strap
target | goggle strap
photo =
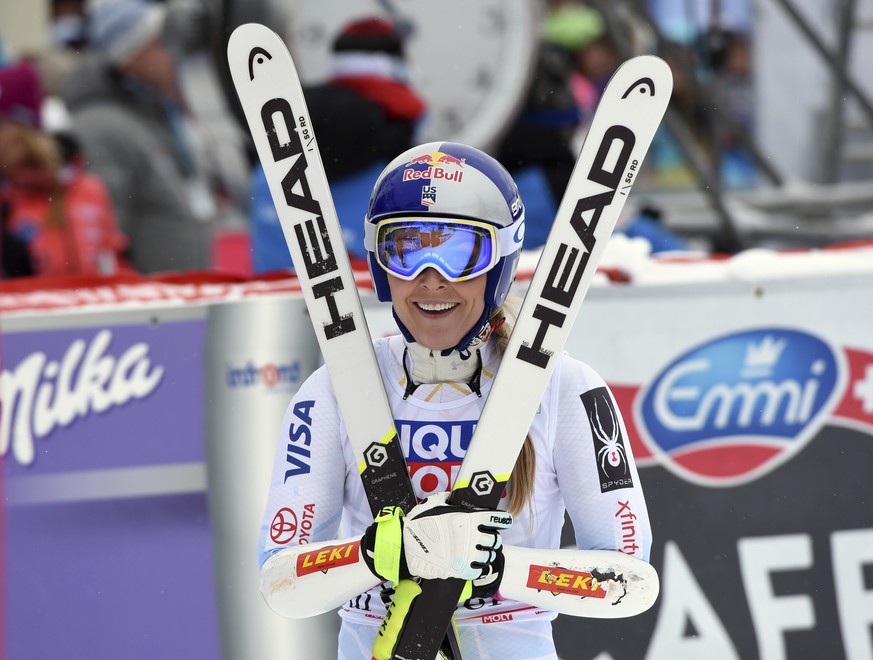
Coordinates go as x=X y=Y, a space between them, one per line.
x=369 y=236
x=506 y=236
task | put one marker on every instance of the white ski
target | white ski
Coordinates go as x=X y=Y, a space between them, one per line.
x=597 y=584
x=272 y=99
x=623 y=127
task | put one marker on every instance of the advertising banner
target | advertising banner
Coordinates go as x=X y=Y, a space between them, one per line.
x=136 y=448
x=750 y=413
x=107 y=548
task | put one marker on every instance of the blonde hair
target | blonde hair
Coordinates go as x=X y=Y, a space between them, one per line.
x=521 y=482
x=40 y=151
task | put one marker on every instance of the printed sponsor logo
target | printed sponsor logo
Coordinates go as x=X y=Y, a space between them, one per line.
x=268 y=375
x=435 y=158
x=428 y=195
x=434 y=451
x=283 y=528
x=612 y=464
x=40 y=394
x=315 y=253
x=285 y=525
x=327 y=558
x=855 y=410
x=734 y=408
x=559 y=580
x=436 y=163
x=433 y=174
x=496 y=618
x=627 y=531
x=298 y=454
x=571 y=260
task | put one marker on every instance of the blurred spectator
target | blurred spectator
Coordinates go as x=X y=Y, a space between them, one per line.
x=540 y=148
x=666 y=155
x=57 y=220
x=68 y=24
x=647 y=223
x=68 y=40
x=129 y=114
x=732 y=81
x=363 y=116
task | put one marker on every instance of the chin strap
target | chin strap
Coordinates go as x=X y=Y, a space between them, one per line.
x=474 y=383
x=411 y=385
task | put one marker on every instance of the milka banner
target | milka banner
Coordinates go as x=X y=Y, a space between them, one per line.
x=106 y=534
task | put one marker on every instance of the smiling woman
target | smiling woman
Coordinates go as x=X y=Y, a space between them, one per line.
x=437 y=312
x=443 y=233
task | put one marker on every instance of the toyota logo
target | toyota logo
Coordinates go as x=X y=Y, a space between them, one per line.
x=284 y=526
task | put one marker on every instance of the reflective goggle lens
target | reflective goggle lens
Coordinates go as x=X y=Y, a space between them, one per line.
x=458 y=250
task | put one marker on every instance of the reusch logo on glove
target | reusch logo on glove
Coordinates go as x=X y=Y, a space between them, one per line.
x=502 y=520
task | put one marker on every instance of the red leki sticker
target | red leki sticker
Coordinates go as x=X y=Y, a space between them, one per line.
x=564 y=581
x=326 y=558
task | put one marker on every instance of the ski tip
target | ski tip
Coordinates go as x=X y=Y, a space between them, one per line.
x=249 y=39
x=254 y=49
x=646 y=76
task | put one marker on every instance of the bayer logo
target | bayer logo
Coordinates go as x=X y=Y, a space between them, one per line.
x=376 y=455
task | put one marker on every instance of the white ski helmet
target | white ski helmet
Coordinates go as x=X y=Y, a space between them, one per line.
x=445 y=181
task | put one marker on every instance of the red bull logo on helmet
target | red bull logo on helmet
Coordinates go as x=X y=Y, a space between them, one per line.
x=437 y=158
x=435 y=169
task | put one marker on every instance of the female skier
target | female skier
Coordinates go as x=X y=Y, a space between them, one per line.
x=444 y=232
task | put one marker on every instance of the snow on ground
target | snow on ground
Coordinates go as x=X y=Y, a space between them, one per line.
x=630 y=260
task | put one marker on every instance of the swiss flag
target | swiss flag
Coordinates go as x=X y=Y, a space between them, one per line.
x=856 y=408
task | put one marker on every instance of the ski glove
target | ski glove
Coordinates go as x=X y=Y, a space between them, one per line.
x=435 y=540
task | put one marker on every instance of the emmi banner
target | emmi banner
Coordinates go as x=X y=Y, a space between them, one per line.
x=752 y=426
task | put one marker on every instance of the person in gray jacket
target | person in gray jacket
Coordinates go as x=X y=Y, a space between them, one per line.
x=128 y=113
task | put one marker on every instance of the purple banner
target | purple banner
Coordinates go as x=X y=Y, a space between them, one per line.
x=95 y=567
x=92 y=398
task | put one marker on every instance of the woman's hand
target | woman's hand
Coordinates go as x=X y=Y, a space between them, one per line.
x=435 y=540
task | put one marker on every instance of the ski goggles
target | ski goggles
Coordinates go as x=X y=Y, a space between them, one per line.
x=459 y=249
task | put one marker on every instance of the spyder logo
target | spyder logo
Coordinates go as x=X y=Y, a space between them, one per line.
x=610 y=452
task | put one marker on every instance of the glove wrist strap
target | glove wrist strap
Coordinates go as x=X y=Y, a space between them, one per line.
x=388 y=560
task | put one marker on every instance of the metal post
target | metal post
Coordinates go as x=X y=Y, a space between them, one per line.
x=832 y=61
x=257 y=354
x=833 y=129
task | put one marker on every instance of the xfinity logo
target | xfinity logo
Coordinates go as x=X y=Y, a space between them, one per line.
x=736 y=407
